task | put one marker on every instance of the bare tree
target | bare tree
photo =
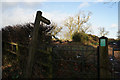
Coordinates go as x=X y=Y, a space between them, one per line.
x=80 y=20
x=78 y=23
x=102 y=31
x=69 y=23
x=55 y=30
x=86 y=28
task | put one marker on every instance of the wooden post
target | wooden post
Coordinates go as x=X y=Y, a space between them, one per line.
x=98 y=63
x=17 y=52
x=103 y=58
x=49 y=49
x=113 y=54
x=33 y=43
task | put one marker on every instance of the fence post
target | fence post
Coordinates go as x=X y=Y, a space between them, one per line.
x=49 y=49
x=98 y=63
x=103 y=58
x=17 y=52
x=113 y=54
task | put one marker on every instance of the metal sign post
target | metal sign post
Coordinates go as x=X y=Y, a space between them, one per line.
x=104 y=64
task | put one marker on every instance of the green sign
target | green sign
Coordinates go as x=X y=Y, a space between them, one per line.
x=102 y=42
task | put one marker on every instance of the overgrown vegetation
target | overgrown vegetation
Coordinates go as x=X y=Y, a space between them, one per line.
x=80 y=37
x=13 y=65
x=23 y=33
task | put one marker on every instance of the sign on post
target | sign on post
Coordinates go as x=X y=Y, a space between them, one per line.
x=104 y=64
x=102 y=42
x=43 y=19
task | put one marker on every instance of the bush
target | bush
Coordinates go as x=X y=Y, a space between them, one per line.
x=79 y=37
x=23 y=33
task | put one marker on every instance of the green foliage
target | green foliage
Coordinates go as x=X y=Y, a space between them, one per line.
x=79 y=37
x=95 y=43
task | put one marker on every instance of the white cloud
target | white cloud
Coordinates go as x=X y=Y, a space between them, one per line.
x=114 y=25
x=20 y=16
x=107 y=0
x=99 y=0
x=59 y=0
x=84 y=4
x=17 y=16
x=0 y=14
x=23 y=0
x=56 y=16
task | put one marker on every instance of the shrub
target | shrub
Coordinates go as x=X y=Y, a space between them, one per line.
x=79 y=37
x=23 y=33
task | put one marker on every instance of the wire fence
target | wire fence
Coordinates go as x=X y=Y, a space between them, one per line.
x=115 y=60
x=57 y=61
x=74 y=61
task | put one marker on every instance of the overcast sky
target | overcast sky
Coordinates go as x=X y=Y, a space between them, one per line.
x=103 y=15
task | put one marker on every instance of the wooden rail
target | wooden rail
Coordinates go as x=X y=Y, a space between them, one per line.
x=16 y=52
